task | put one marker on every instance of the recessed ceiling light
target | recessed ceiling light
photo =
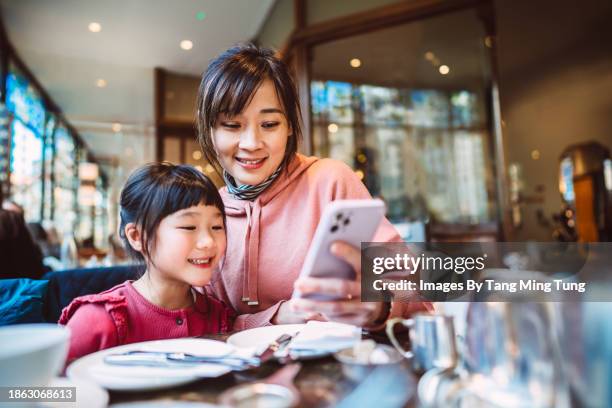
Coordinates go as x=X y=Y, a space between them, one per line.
x=429 y=56
x=116 y=127
x=186 y=45
x=535 y=154
x=444 y=69
x=332 y=128
x=100 y=83
x=355 y=63
x=197 y=155
x=209 y=168
x=94 y=27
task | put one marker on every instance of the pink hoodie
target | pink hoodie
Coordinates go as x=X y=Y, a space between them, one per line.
x=268 y=238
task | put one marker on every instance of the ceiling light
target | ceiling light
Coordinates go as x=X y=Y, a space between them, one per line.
x=186 y=45
x=535 y=154
x=116 y=127
x=444 y=69
x=429 y=56
x=94 y=27
x=209 y=168
x=197 y=155
x=488 y=41
x=355 y=63
x=360 y=174
x=100 y=83
x=332 y=128
x=88 y=171
x=200 y=15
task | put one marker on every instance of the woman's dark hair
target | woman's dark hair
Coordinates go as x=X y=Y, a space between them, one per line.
x=156 y=190
x=228 y=85
x=20 y=256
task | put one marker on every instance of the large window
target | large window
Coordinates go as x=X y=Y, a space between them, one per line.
x=65 y=183
x=26 y=169
x=26 y=155
x=38 y=153
x=407 y=110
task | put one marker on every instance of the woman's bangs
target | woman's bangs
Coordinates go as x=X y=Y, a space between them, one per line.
x=237 y=94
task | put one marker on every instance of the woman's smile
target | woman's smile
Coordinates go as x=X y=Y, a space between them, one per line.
x=251 y=164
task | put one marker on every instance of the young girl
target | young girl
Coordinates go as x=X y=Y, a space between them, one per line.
x=173 y=222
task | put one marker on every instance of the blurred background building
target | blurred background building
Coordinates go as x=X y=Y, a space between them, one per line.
x=472 y=119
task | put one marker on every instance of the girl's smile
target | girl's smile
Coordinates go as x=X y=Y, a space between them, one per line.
x=201 y=262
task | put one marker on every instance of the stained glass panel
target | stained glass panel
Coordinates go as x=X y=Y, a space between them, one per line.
x=48 y=166
x=4 y=148
x=64 y=191
x=26 y=169
x=25 y=102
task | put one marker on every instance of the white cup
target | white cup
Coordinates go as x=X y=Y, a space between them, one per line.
x=32 y=354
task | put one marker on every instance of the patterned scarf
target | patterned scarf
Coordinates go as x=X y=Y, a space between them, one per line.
x=246 y=191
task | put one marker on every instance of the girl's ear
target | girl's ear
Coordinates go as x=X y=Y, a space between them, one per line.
x=133 y=236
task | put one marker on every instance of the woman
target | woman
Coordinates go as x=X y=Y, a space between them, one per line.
x=248 y=123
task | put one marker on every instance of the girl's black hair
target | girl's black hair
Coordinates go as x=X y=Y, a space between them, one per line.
x=156 y=190
x=228 y=85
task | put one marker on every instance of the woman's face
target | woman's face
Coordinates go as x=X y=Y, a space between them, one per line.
x=251 y=145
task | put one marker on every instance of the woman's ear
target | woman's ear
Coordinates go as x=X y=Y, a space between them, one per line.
x=134 y=236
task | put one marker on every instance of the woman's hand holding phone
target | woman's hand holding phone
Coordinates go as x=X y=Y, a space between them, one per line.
x=346 y=308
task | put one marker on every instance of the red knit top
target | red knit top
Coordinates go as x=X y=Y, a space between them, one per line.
x=121 y=315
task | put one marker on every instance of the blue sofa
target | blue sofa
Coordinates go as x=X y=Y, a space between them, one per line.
x=38 y=301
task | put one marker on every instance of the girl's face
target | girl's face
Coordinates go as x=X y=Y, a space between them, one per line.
x=250 y=146
x=189 y=244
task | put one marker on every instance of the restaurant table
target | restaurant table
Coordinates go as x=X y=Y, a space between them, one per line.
x=321 y=383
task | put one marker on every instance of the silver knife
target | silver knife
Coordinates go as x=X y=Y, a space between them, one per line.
x=268 y=352
x=170 y=359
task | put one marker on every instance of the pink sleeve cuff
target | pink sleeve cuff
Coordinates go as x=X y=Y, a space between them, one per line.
x=263 y=318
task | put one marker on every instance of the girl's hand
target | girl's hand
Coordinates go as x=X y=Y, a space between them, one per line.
x=349 y=308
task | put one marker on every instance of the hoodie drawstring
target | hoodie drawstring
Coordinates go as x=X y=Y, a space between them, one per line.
x=251 y=255
x=245 y=266
x=253 y=266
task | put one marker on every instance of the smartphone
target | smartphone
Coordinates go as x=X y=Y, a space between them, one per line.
x=351 y=221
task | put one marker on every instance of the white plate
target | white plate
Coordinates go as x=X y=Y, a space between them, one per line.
x=88 y=395
x=120 y=378
x=164 y=404
x=260 y=337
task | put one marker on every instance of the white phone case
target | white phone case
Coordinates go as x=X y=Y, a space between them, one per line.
x=351 y=221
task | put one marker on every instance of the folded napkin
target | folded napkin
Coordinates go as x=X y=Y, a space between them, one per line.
x=326 y=336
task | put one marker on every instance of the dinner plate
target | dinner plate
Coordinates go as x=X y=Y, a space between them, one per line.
x=164 y=404
x=130 y=378
x=88 y=395
x=258 y=338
